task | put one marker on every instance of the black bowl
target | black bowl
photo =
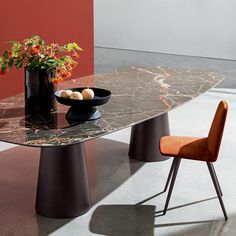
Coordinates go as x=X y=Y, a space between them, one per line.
x=84 y=110
x=101 y=97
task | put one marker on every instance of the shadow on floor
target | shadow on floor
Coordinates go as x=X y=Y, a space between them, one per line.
x=108 y=167
x=159 y=213
x=203 y=227
x=116 y=220
x=200 y=227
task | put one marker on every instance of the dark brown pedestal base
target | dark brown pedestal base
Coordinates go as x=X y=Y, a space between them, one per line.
x=144 y=140
x=63 y=190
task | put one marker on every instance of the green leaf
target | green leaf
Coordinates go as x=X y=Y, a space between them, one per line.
x=19 y=63
x=51 y=61
x=1 y=59
x=5 y=54
x=31 y=59
x=29 y=44
x=11 y=62
x=62 y=59
x=4 y=66
x=40 y=42
x=35 y=37
x=54 y=64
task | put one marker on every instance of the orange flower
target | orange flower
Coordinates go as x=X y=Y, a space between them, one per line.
x=66 y=74
x=75 y=56
x=58 y=70
x=57 y=80
x=34 y=50
x=72 y=65
x=38 y=46
x=10 y=53
x=63 y=74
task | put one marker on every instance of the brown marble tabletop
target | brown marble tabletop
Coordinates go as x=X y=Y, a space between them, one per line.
x=138 y=94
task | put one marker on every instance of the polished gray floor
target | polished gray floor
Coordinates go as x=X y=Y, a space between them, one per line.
x=107 y=59
x=126 y=194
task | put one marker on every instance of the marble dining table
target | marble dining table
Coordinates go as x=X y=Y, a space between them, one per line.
x=141 y=98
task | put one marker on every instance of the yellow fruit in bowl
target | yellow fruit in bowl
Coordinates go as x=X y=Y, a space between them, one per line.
x=76 y=96
x=66 y=93
x=87 y=94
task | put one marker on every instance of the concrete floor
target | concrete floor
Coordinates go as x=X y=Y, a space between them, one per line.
x=107 y=59
x=125 y=192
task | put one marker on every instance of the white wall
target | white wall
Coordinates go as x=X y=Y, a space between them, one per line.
x=189 y=27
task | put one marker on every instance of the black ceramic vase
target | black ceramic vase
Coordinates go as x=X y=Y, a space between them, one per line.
x=39 y=92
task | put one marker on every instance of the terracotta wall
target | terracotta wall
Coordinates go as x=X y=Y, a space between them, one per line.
x=55 y=21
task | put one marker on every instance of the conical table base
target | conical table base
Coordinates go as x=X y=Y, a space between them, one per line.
x=63 y=189
x=83 y=114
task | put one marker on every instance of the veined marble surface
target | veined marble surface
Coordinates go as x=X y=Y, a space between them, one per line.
x=138 y=94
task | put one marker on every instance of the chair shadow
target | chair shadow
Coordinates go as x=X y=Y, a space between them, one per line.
x=203 y=227
x=108 y=167
x=115 y=220
x=159 y=213
x=137 y=219
x=130 y=220
x=149 y=198
x=200 y=227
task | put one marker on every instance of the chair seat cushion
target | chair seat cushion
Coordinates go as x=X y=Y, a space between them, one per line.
x=185 y=147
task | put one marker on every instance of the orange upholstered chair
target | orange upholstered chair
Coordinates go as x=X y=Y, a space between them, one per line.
x=200 y=149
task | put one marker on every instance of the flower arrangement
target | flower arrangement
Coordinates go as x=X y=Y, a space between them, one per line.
x=33 y=54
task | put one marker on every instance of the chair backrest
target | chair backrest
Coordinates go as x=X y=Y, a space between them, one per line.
x=217 y=129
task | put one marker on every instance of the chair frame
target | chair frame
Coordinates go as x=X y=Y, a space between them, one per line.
x=172 y=177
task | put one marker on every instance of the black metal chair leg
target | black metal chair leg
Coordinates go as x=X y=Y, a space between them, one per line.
x=170 y=174
x=214 y=180
x=176 y=168
x=214 y=172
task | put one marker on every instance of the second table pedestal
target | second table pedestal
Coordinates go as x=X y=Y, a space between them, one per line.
x=144 y=140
